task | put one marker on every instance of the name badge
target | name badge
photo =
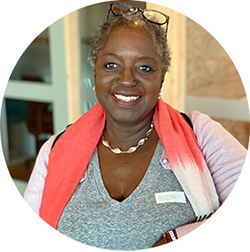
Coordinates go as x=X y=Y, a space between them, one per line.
x=170 y=197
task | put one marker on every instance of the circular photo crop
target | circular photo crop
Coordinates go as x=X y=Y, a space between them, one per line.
x=125 y=125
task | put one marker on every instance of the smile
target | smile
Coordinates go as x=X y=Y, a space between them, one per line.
x=126 y=99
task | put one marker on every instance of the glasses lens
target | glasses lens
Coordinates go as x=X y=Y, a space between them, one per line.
x=123 y=8
x=155 y=16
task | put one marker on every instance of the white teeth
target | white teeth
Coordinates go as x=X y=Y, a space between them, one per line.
x=126 y=98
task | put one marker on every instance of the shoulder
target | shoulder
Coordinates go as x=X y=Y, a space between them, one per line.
x=46 y=148
x=206 y=129
x=215 y=141
x=34 y=190
x=200 y=120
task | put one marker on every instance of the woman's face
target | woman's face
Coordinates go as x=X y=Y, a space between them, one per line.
x=128 y=76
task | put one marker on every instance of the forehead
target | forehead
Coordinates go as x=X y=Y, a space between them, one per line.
x=124 y=40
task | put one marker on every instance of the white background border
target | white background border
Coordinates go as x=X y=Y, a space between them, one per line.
x=21 y=22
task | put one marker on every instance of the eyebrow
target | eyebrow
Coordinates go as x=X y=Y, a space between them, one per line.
x=148 y=58
x=109 y=54
x=140 y=58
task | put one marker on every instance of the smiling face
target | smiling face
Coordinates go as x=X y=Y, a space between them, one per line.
x=128 y=76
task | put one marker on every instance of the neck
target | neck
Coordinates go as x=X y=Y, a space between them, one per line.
x=125 y=135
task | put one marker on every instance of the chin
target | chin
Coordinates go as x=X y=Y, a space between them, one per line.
x=131 y=117
x=125 y=118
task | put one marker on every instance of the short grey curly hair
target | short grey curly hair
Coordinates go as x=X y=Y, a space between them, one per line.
x=158 y=34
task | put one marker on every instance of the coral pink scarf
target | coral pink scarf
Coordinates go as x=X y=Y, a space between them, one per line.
x=69 y=160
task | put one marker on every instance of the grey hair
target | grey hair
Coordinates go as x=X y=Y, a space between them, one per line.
x=158 y=34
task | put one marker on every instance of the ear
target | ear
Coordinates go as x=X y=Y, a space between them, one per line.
x=162 y=78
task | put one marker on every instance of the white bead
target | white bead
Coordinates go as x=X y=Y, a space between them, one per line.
x=117 y=151
x=164 y=160
x=141 y=142
x=105 y=143
x=132 y=149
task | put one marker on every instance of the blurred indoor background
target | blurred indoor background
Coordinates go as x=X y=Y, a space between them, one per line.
x=51 y=84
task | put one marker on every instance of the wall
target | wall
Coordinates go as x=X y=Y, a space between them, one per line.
x=211 y=74
x=203 y=77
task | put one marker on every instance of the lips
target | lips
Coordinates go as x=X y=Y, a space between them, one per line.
x=126 y=99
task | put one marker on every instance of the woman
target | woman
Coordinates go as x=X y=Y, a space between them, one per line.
x=132 y=173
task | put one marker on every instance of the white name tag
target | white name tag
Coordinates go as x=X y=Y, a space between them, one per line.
x=168 y=197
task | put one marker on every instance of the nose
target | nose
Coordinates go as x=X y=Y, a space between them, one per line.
x=127 y=78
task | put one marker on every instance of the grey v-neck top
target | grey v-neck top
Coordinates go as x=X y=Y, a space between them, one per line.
x=94 y=218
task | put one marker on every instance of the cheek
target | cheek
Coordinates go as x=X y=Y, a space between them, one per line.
x=102 y=78
x=100 y=81
x=102 y=88
x=153 y=86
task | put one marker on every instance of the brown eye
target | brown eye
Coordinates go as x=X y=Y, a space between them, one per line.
x=111 y=65
x=145 y=69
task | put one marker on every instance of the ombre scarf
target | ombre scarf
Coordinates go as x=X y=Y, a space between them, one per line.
x=70 y=157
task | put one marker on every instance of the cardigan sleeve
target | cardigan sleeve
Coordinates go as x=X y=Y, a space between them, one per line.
x=34 y=190
x=224 y=155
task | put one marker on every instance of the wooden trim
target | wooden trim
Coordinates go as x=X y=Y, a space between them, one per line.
x=73 y=65
x=59 y=75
